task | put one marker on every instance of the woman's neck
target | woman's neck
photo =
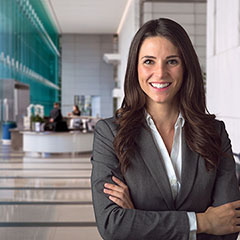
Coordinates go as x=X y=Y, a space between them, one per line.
x=164 y=115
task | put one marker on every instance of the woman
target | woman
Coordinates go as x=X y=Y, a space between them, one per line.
x=76 y=111
x=163 y=166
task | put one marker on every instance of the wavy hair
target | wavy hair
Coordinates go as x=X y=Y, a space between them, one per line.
x=199 y=128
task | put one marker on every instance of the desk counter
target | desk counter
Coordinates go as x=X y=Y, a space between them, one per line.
x=57 y=142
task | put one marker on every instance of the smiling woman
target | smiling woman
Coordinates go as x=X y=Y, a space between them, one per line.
x=163 y=151
x=160 y=70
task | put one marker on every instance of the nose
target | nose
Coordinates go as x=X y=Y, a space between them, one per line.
x=160 y=70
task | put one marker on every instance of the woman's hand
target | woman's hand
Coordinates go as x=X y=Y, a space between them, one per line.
x=119 y=193
x=220 y=220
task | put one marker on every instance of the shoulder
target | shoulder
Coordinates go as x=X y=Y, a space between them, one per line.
x=107 y=125
x=220 y=127
x=107 y=122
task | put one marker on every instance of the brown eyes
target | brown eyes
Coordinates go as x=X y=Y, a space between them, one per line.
x=171 y=62
x=148 y=61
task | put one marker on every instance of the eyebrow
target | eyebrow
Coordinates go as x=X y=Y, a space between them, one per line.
x=152 y=57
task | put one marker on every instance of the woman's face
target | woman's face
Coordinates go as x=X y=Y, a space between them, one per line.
x=160 y=70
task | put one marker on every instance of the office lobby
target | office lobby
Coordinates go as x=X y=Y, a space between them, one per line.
x=74 y=53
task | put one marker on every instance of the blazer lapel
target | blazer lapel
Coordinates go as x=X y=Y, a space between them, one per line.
x=189 y=170
x=154 y=163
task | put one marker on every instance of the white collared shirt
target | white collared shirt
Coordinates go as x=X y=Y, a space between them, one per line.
x=173 y=163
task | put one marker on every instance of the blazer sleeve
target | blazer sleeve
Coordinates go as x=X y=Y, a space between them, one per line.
x=226 y=186
x=115 y=222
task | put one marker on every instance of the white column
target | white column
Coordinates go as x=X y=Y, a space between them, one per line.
x=223 y=65
x=128 y=30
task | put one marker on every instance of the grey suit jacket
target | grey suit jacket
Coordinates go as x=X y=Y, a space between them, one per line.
x=156 y=215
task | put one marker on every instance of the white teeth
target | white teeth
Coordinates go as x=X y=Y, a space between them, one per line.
x=160 y=85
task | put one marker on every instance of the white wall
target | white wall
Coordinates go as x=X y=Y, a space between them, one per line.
x=192 y=16
x=223 y=65
x=85 y=73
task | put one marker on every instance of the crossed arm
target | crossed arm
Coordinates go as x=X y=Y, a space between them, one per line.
x=221 y=220
x=117 y=218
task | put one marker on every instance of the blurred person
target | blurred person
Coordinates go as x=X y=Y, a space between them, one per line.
x=75 y=112
x=55 y=113
x=75 y=123
x=56 y=122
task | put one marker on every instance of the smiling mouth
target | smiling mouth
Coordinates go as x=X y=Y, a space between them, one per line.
x=160 y=85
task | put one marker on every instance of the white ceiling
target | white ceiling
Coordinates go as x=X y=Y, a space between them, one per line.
x=87 y=16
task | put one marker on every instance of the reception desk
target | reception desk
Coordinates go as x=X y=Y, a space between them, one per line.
x=57 y=142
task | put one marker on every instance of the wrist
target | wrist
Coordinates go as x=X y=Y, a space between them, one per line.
x=202 y=223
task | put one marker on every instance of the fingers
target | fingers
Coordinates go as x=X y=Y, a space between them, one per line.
x=237 y=222
x=235 y=204
x=233 y=208
x=117 y=181
x=120 y=188
x=113 y=187
x=113 y=193
x=117 y=201
x=120 y=202
x=118 y=193
x=238 y=213
x=120 y=198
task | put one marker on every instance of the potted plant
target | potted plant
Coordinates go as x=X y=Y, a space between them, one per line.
x=36 y=122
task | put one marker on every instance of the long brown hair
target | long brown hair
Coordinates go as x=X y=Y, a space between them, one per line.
x=200 y=132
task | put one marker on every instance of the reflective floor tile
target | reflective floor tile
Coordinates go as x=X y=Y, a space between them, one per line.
x=83 y=233
x=44 y=173
x=44 y=182
x=46 y=213
x=49 y=233
x=58 y=159
x=46 y=166
x=45 y=195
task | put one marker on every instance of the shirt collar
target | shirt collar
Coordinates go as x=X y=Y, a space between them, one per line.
x=180 y=120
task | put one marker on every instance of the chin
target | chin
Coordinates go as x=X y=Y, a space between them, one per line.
x=161 y=101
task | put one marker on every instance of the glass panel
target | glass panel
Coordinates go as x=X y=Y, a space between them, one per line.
x=29 y=49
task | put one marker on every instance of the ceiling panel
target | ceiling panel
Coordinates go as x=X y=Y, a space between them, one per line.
x=87 y=16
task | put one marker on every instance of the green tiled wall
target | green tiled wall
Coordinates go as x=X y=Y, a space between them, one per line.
x=29 y=49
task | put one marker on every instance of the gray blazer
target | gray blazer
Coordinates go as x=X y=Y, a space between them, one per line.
x=156 y=215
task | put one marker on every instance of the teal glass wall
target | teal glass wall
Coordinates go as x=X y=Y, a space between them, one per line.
x=29 y=49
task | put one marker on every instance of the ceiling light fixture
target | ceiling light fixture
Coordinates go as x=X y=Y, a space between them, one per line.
x=124 y=16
